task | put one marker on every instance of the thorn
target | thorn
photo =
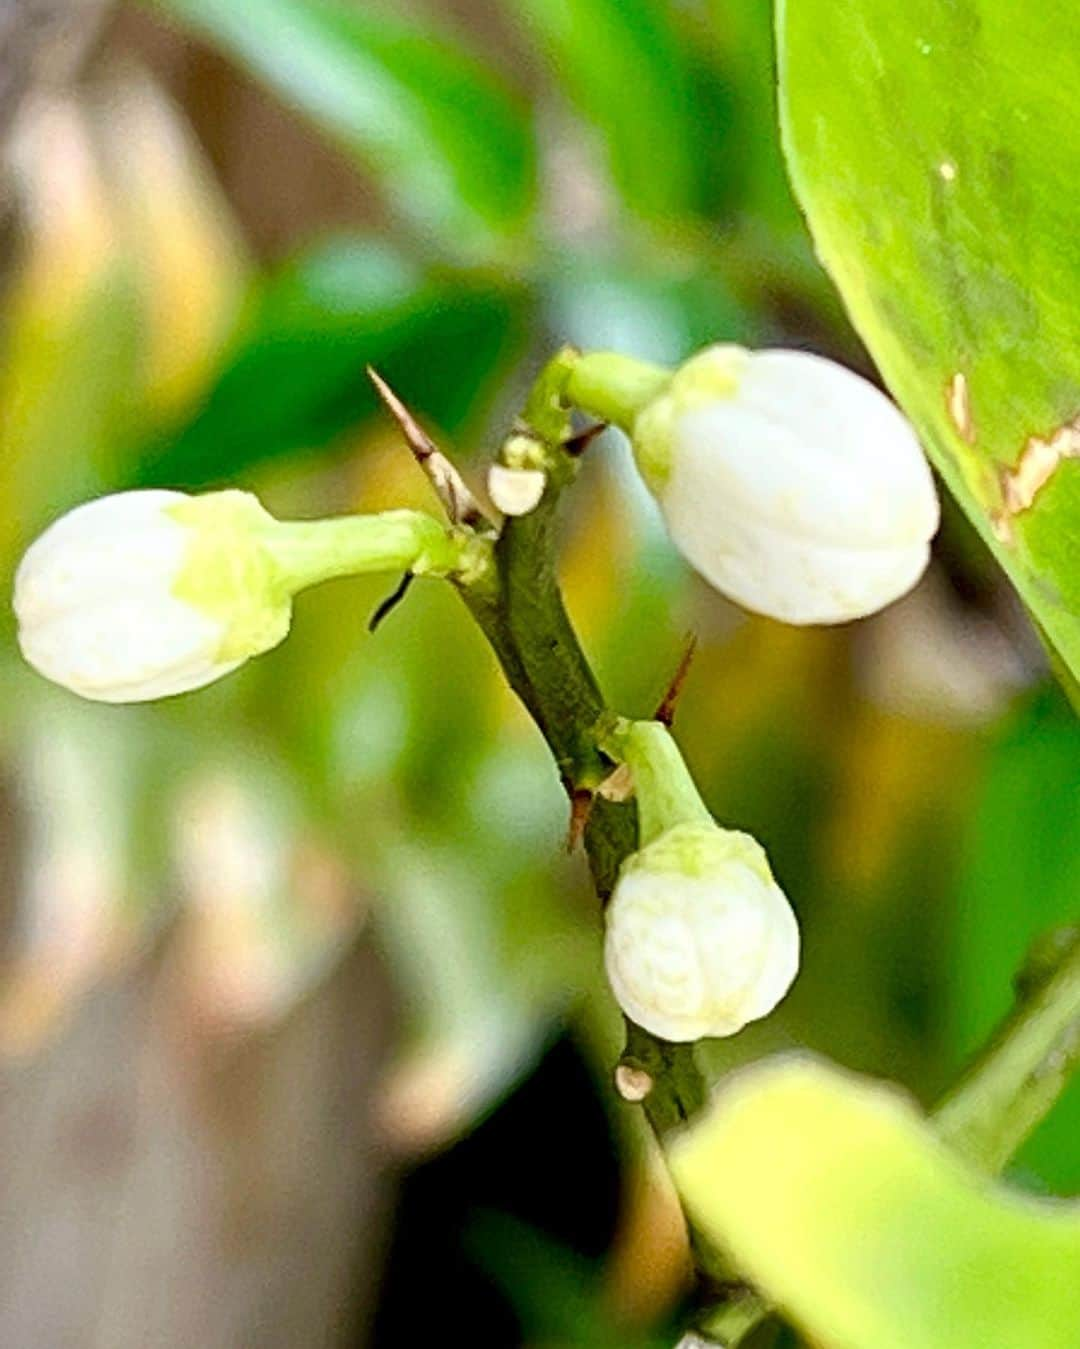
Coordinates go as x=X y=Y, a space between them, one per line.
x=581 y=804
x=391 y=601
x=458 y=502
x=421 y=444
x=577 y=444
x=665 y=713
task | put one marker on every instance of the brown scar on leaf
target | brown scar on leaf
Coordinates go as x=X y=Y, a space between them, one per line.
x=958 y=406
x=1036 y=466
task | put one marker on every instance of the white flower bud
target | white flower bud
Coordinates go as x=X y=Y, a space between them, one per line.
x=145 y=594
x=700 y=938
x=790 y=483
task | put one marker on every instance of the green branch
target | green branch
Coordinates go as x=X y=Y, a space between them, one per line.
x=524 y=619
x=1026 y=1066
x=1013 y=1083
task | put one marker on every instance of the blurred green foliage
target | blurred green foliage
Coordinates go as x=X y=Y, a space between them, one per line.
x=450 y=146
x=294 y=377
x=1021 y=877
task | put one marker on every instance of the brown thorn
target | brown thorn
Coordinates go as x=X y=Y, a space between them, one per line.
x=665 y=713
x=458 y=502
x=391 y=602
x=420 y=442
x=577 y=444
x=581 y=804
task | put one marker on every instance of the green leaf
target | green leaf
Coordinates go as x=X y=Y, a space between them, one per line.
x=624 y=69
x=934 y=146
x=296 y=378
x=451 y=147
x=838 y=1202
x=1021 y=878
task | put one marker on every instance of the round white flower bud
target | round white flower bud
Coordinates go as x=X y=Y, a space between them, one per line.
x=145 y=594
x=789 y=482
x=700 y=938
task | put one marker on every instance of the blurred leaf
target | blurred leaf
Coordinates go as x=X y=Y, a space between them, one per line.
x=841 y=1205
x=480 y=1008
x=555 y=1290
x=178 y=231
x=296 y=378
x=931 y=146
x=452 y=814
x=70 y=356
x=658 y=308
x=749 y=168
x=623 y=67
x=1022 y=878
x=450 y=146
x=126 y=280
x=269 y=905
x=66 y=391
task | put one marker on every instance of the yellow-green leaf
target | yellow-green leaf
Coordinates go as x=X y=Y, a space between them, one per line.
x=836 y=1199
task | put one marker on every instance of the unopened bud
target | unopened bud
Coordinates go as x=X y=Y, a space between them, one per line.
x=791 y=484
x=700 y=938
x=145 y=594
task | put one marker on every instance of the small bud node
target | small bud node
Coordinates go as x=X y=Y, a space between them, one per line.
x=632 y=1083
x=516 y=491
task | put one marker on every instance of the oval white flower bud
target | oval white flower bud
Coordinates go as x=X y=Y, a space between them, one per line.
x=700 y=938
x=789 y=482
x=145 y=594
